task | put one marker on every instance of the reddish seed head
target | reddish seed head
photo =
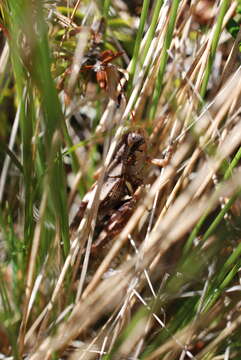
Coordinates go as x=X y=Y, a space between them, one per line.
x=102 y=79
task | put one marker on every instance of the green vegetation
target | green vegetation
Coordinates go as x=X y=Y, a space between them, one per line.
x=166 y=285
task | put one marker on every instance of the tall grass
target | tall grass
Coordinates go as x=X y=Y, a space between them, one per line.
x=167 y=286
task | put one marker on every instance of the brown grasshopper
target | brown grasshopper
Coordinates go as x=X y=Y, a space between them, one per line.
x=118 y=195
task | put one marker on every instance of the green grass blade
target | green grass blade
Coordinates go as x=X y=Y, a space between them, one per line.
x=106 y=8
x=223 y=9
x=139 y=35
x=152 y=28
x=164 y=57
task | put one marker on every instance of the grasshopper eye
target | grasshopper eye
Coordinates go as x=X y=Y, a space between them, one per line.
x=130 y=139
x=134 y=138
x=136 y=141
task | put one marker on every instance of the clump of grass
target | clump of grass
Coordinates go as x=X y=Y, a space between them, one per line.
x=173 y=292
